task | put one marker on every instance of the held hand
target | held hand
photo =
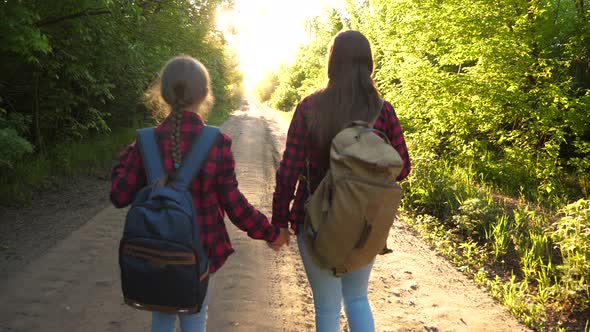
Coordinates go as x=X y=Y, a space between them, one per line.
x=284 y=237
x=288 y=234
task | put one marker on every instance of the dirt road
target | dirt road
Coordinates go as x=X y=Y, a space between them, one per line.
x=59 y=272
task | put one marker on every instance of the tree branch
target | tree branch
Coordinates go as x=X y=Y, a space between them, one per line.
x=580 y=8
x=86 y=12
x=557 y=11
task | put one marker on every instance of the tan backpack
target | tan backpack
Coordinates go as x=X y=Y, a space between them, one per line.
x=348 y=217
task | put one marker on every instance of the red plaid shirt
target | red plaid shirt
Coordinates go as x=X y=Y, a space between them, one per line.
x=298 y=149
x=214 y=189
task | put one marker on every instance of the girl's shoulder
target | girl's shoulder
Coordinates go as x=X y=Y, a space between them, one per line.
x=387 y=107
x=304 y=106
x=387 y=118
x=306 y=101
x=224 y=139
x=223 y=143
x=387 y=111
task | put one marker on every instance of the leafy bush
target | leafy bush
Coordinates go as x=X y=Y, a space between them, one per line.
x=12 y=147
x=265 y=88
x=307 y=73
x=284 y=99
x=571 y=235
x=72 y=70
x=475 y=218
x=78 y=68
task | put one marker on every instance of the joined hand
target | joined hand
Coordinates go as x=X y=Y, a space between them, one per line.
x=283 y=238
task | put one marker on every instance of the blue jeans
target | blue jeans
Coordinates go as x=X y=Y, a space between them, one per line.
x=329 y=291
x=162 y=322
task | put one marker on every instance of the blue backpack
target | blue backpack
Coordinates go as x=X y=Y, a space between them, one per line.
x=163 y=264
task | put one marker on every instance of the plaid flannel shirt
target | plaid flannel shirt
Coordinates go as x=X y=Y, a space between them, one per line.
x=298 y=150
x=214 y=189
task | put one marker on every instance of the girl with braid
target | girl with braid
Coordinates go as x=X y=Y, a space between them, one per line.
x=185 y=88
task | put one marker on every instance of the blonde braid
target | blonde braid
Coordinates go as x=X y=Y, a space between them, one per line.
x=175 y=134
x=185 y=86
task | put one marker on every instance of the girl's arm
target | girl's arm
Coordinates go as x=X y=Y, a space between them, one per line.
x=389 y=123
x=237 y=207
x=291 y=167
x=127 y=177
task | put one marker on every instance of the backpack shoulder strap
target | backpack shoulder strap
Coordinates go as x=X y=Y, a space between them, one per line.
x=150 y=154
x=191 y=165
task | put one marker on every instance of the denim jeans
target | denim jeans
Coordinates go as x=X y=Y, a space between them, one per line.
x=162 y=322
x=329 y=291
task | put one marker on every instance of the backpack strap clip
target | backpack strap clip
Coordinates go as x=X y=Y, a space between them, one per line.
x=339 y=272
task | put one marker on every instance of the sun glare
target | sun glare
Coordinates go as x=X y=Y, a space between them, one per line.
x=267 y=33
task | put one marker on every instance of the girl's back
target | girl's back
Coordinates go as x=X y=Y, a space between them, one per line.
x=185 y=88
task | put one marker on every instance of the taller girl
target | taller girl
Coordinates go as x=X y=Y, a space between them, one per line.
x=185 y=88
x=349 y=95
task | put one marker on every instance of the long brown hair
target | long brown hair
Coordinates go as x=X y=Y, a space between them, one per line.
x=184 y=86
x=349 y=95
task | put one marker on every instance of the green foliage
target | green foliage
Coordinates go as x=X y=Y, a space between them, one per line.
x=571 y=235
x=539 y=271
x=19 y=34
x=428 y=189
x=79 y=67
x=62 y=162
x=265 y=88
x=490 y=82
x=475 y=218
x=306 y=74
x=72 y=70
x=12 y=147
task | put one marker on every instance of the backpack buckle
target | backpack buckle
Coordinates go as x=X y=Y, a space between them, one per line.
x=338 y=272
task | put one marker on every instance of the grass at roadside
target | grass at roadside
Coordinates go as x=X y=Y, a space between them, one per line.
x=65 y=161
x=61 y=163
x=534 y=260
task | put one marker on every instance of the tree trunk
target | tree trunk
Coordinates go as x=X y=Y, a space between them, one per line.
x=36 y=117
x=580 y=8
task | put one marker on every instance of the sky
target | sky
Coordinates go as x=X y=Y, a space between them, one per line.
x=268 y=32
